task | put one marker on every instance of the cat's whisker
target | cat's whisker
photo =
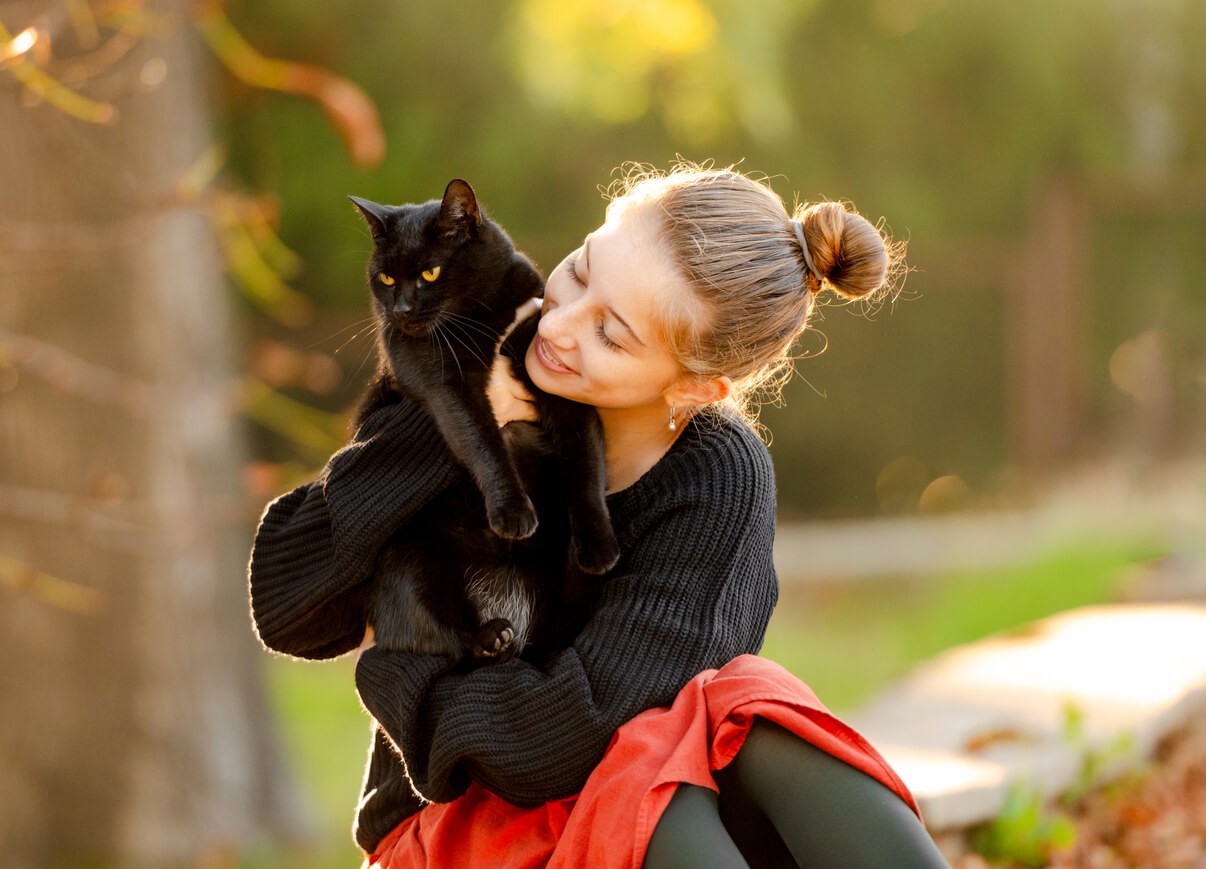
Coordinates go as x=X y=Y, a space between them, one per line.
x=475 y=325
x=368 y=354
x=437 y=348
x=467 y=319
x=451 y=332
x=483 y=304
x=438 y=328
x=468 y=327
x=353 y=338
x=448 y=336
x=357 y=325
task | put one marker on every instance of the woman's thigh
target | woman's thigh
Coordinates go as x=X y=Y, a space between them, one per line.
x=825 y=811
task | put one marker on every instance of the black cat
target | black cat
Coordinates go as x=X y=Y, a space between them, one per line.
x=476 y=570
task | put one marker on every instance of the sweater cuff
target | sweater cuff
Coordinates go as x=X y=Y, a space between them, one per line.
x=292 y=543
x=392 y=685
x=386 y=679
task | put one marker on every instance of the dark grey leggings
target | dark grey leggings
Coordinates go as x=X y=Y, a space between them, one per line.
x=784 y=802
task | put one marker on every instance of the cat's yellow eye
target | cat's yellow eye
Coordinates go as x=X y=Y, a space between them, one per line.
x=385 y=279
x=431 y=274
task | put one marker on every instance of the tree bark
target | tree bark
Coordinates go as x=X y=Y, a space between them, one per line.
x=133 y=725
x=1045 y=330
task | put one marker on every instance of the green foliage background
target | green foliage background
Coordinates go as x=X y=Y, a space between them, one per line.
x=944 y=118
x=947 y=119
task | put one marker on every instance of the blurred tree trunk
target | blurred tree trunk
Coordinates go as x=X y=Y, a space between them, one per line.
x=133 y=724
x=1047 y=329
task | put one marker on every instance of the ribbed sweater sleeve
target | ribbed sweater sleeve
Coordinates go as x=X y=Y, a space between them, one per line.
x=315 y=546
x=694 y=588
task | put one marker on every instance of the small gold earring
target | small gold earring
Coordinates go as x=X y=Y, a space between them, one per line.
x=673 y=426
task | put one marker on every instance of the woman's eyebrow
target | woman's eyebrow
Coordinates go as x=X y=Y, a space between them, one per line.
x=608 y=308
x=624 y=323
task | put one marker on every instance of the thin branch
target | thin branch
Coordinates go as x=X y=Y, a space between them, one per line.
x=86 y=68
x=69 y=373
x=89 y=518
x=317 y=432
x=347 y=107
x=16 y=47
x=27 y=248
x=256 y=258
x=45 y=86
x=132 y=526
x=59 y=593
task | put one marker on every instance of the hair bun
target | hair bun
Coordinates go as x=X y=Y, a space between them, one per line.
x=847 y=251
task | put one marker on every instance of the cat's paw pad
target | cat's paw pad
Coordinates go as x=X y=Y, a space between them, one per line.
x=512 y=518
x=494 y=640
x=596 y=552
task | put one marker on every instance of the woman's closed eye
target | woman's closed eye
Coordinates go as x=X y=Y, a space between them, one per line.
x=607 y=342
x=573 y=270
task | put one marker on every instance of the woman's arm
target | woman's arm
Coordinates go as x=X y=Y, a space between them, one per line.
x=694 y=589
x=315 y=546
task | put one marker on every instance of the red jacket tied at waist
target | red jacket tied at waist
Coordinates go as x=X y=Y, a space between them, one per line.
x=610 y=822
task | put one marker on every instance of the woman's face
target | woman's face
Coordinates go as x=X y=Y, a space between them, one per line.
x=599 y=340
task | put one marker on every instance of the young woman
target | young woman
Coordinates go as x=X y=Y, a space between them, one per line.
x=656 y=738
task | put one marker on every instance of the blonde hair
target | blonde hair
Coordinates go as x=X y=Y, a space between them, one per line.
x=732 y=239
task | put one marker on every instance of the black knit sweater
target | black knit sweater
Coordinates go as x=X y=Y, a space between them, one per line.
x=694 y=588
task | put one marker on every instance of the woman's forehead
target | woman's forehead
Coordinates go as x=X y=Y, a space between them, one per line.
x=627 y=260
x=630 y=248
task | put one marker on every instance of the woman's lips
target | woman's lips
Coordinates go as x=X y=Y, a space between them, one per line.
x=550 y=359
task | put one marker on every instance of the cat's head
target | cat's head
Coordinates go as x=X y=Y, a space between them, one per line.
x=428 y=260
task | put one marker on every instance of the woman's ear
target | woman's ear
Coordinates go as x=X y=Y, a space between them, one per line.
x=695 y=391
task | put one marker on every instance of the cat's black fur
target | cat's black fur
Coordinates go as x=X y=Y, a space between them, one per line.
x=477 y=570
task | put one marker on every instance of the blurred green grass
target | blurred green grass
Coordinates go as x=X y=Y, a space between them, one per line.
x=326 y=738
x=845 y=639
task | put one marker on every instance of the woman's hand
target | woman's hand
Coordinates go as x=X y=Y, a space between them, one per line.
x=508 y=397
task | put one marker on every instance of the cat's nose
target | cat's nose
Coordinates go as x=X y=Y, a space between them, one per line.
x=403 y=307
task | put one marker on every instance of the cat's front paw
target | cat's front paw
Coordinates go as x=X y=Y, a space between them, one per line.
x=513 y=517
x=596 y=552
x=494 y=640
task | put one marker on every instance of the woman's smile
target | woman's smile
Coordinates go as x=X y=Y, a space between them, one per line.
x=549 y=358
x=598 y=341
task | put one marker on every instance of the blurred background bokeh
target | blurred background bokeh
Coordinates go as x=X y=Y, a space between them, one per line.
x=183 y=331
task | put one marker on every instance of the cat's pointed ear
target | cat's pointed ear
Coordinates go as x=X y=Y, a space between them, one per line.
x=459 y=212
x=374 y=215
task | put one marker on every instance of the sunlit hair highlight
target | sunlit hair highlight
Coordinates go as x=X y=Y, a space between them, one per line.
x=731 y=238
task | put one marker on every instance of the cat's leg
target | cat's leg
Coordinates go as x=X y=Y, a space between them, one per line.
x=467 y=423
x=415 y=606
x=494 y=640
x=577 y=436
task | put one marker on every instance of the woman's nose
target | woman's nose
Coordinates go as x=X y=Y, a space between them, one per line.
x=557 y=324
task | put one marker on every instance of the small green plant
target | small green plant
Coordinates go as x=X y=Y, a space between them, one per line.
x=1029 y=829
x=1026 y=832
x=1096 y=763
